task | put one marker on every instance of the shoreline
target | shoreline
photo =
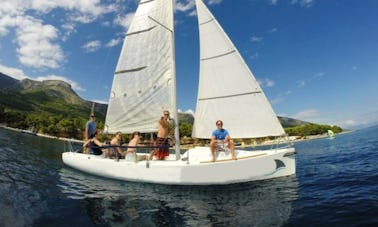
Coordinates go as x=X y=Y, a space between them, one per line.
x=292 y=139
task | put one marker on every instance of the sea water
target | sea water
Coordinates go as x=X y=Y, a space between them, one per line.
x=336 y=184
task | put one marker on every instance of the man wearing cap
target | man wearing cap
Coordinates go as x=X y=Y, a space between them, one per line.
x=90 y=127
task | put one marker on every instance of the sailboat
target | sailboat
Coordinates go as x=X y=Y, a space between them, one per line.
x=144 y=85
x=331 y=134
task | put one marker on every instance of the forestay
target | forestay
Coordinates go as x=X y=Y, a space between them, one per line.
x=144 y=80
x=227 y=88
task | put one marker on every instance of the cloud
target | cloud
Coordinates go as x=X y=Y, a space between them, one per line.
x=124 y=20
x=214 y=2
x=254 y=56
x=36 y=47
x=277 y=100
x=37 y=43
x=307 y=114
x=92 y=46
x=185 y=6
x=273 y=30
x=273 y=2
x=266 y=82
x=189 y=6
x=15 y=73
x=256 y=39
x=303 y=83
x=303 y=3
x=113 y=42
x=360 y=120
x=188 y=111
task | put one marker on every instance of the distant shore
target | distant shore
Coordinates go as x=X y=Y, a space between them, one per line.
x=293 y=139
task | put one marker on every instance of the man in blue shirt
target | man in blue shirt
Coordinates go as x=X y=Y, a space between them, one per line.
x=219 y=139
x=90 y=127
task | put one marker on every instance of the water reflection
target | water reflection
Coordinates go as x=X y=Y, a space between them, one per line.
x=109 y=202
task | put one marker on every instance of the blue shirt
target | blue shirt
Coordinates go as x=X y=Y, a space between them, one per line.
x=220 y=134
x=91 y=125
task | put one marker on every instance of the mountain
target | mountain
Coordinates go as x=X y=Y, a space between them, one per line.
x=6 y=81
x=55 y=97
x=291 y=122
x=49 y=96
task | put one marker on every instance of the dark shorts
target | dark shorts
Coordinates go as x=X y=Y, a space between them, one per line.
x=94 y=149
x=162 y=151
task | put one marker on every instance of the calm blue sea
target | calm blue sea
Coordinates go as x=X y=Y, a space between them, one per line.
x=336 y=184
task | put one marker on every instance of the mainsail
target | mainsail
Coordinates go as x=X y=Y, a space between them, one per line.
x=144 y=81
x=227 y=88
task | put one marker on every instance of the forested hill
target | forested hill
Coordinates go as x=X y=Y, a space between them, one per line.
x=49 y=105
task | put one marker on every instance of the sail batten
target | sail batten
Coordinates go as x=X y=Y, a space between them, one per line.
x=228 y=96
x=228 y=91
x=140 y=31
x=217 y=56
x=130 y=70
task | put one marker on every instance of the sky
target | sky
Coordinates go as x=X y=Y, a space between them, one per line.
x=316 y=60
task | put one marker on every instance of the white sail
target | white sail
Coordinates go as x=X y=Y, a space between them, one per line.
x=144 y=80
x=227 y=88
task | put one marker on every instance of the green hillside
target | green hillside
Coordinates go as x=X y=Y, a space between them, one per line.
x=52 y=107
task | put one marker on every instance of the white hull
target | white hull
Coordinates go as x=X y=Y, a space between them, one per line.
x=250 y=166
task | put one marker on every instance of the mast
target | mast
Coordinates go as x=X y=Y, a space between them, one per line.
x=174 y=92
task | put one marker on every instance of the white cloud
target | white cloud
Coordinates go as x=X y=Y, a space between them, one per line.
x=256 y=39
x=254 y=56
x=15 y=73
x=360 y=120
x=113 y=42
x=124 y=20
x=303 y=3
x=307 y=114
x=92 y=46
x=274 y=2
x=273 y=30
x=278 y=99
x=36 y=47
x=188 y=111
x=266 y=82
x=214 y=2
x=301 y=83
x=185 y=6
x=37 y=43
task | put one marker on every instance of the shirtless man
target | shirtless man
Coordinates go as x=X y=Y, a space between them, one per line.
x=162 y=138
x=131 y=151
x=115 y=152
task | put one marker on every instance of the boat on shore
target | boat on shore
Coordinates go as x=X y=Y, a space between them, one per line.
x=144 y=85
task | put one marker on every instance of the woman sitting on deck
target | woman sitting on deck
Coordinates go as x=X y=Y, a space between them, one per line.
x=92 y=146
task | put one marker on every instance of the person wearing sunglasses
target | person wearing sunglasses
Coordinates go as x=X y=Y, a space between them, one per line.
x=220 y=139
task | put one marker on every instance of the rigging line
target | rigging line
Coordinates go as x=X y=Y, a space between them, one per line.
x=228 y=96
x=130 y=70
x=218 y=56
x=160 y=24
